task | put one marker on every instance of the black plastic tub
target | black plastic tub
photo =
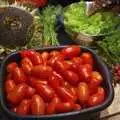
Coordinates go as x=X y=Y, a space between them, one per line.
x=84 y=114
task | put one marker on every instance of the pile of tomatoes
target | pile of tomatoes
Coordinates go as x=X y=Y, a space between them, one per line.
x=37 y=3
x=53 y=82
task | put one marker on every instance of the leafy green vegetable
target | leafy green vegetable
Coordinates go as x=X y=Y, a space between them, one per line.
x=76 y=20
x=109 y=48
x=49 y=15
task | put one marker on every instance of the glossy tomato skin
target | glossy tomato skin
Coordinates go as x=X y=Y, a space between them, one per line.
x=27 y=53
x=37 y=105
x=71 y=51
x=9 y=85
x=24 y=107
x=96 y=75
x=71 y=77
x=53 y=82
x=84 y=73
x=77 y=60
x=54 y=53
x=89 y=67
x=77 y=107
x=97 y=98
x=11 y=66
x=53 y=59
x=51 y=106
x=71 y=88
x=64 y=107
x=30 y=92
x=65 y=94
x=46 y=92
x=45 y=57
x=75 y=68
x=17 y=94
x=93 y=85
x=26 y=65
x=37 y=59
x=36 y=81
x=59 y=78
x=59 y=67
x=19 y=76
x=101 y=91
x=83 y=92
x=42 y=71
x=87 y=58
x=68 y=64
x=34 y=56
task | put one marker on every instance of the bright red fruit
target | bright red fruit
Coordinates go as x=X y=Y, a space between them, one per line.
x=51 y=106
x=87 y=58
x=37 y=105
x=30 y=91
x=45 y=57
x=45 y=91
x=24 y=107
x=17 y=94
x=71 y=77
x=53 y=59
x=27 y=53
x=64 y=107
x=96 y=75
x=60 y=67
x=59 y=78
x=71 y=51
x=77 y=107
x=9 y=85
x=36 y=81
x=84 y=73
x=26 y=65
x=83 y=92
x=77 y=60
x=11 y=66
x=19 y=76
x=54 y=53
x=42 y=71
x=65 y=94
x=53 y=82
x=97 y=98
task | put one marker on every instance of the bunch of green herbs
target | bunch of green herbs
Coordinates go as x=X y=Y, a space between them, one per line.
x=109 y=47
x=48 y=17
x=109 y=51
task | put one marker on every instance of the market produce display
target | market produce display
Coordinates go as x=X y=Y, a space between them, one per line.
x=77 y=21
x=53 y=82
